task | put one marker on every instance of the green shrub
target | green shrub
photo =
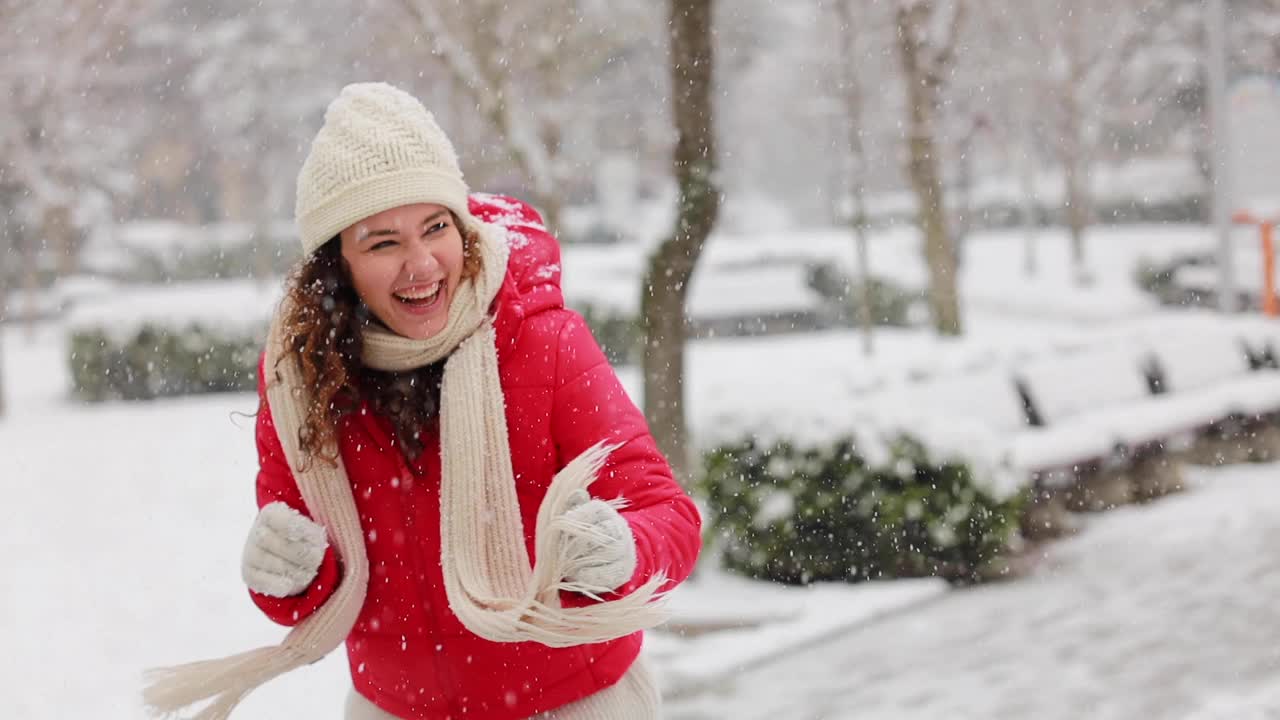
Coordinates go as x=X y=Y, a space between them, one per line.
x=620 y=336
x=890 y=303
x=1160 y=278
x=798 y=515
x=162 y=362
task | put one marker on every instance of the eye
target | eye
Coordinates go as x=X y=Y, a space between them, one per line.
x=436 y=228
x=382 y=244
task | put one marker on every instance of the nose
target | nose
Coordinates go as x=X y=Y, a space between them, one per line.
x=420 y=263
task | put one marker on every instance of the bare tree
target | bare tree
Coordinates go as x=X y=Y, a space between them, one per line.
x=63 y=80
x=63 y=141
x=851 y=96
x=1010 y=80
x=522 y=80
x=666 y=282
x=1077 y=55
x=246 y=86
x=1254 y=34
x=927 y=33
x=4 y=306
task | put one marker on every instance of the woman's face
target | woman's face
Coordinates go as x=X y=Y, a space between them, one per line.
x=406 y=264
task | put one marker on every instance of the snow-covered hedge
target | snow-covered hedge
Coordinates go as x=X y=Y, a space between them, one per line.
x=160 y=361
x=144 y=342
x=891 y=303
x=797 y=515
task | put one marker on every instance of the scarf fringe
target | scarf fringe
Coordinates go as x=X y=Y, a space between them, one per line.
x=226 y=681
x=562 y=549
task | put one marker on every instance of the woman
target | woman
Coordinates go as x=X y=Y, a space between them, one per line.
x=452 y=479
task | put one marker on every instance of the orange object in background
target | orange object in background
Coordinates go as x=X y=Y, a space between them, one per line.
x=1270 y=304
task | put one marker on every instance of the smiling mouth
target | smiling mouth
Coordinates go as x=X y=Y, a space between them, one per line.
x=420 y=297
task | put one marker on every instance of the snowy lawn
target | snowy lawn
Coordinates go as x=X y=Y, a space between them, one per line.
x=123 y=530
x=123 y=523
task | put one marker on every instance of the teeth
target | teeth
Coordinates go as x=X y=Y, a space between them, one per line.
x=420 y=294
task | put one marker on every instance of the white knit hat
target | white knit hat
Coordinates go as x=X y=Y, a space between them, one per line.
x=379 y=148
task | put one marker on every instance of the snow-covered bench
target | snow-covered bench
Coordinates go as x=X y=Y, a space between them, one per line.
x=1150 y=391
x=1084 y=397
x=987 y=418
x=982 y=416
x=1202 y=380
x=1106 y=423
x=1262 y=336
x=1205 y=398
x=1032 y=420
x=1229 y=401
x=1092 y=407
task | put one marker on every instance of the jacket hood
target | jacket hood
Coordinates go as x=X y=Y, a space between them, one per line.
x=532 y=284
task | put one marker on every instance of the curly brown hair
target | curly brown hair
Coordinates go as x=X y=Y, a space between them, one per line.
x=323 y=325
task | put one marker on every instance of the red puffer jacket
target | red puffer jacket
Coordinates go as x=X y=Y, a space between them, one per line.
x=409 y=653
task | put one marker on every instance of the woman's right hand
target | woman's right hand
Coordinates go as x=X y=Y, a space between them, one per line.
x=283 y=552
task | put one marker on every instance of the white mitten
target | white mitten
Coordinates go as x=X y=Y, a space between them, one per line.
x=604 y=556
x=283 y=552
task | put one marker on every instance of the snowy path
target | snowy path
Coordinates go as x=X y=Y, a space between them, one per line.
x=1168 y=611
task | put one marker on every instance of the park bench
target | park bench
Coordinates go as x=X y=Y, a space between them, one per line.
x=1102 y=425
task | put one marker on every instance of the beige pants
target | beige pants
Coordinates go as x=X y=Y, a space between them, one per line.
x=634 y=697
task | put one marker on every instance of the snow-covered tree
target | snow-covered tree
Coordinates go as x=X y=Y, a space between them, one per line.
x=1079 y=55
x=65 y=128
x=857 y=29
x=521 y=66
x=67 y=124
x=1176 y=94
x=252 y=85
x=1255 y=35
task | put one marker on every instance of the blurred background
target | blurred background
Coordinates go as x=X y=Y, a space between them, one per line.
x=972 y=361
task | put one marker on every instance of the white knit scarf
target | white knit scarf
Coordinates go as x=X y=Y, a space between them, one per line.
x=489 y=581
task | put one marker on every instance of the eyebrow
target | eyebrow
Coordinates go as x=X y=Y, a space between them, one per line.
x=392 y=231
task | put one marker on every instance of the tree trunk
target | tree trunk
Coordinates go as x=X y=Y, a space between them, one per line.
x=263 y=251
x=1077 y=221
x=864 y=274
x=4 y=320
x=7 y=243
x=1026 y=176
x=30 y=259
x=1075 y=164
x=231 y=191
x=551 y=207
x=963 y=209
x=59 y=238
x=923 y=87
x=553 y=203
x=852 y=98
x=666 y=281
x=2 y=403
x=1077 y=208
x=963 y=216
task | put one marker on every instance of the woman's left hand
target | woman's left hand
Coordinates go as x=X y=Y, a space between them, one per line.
x=606 y=558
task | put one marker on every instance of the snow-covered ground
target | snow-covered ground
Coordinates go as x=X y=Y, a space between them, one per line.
x=122 y=525
x=122 y=531
x=1163 y=611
